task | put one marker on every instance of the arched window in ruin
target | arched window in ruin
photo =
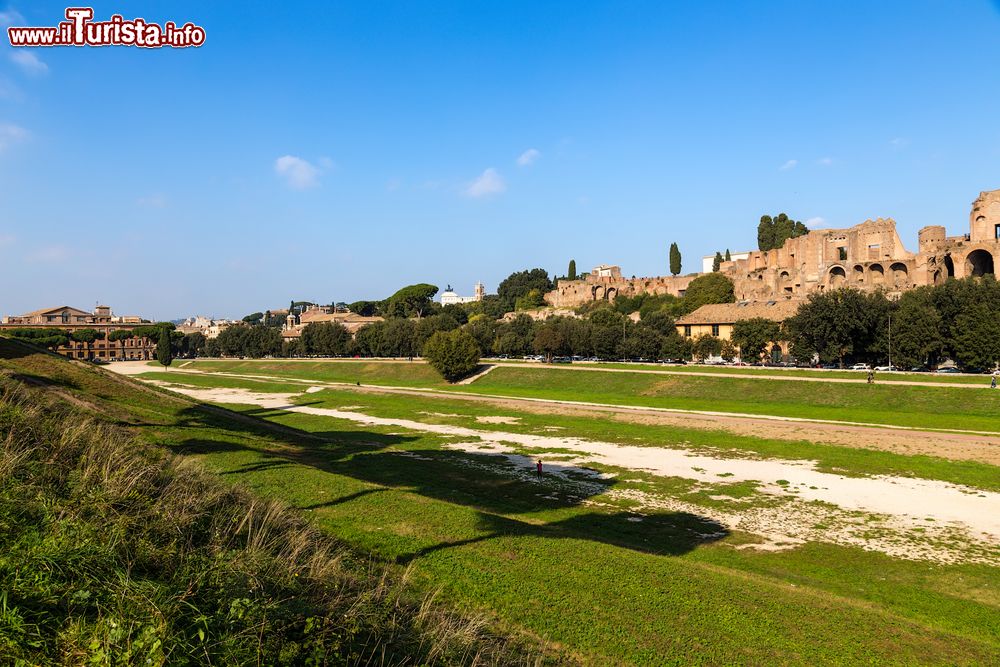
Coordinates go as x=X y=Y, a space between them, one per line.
x=858 y=274
x=978 y=263
x=611 y=294
x=938 y=277
x=876 y=274
x=949 y=266
x=837 y=276
x=598 y=292
x=899 y=274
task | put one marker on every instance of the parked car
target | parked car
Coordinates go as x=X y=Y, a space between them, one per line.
x=920 y=369
x=859 y=367
x=948 y=369
x=886 y=368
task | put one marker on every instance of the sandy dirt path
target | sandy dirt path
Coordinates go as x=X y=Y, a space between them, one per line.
x=903 y=505
x=880 y=378
x=969 y=446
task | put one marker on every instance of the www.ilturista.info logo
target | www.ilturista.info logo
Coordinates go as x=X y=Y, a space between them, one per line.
x=81 y=30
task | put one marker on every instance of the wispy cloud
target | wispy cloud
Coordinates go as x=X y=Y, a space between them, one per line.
x=152 y=201
x=528 y=157
x=824 y=161
x=51 y=253
x=28 y=62
x=10 y=17
x=899 y=142
x=790 y=164
x=299 y=174
x=10 y=133
x=815 y=223
x=489 y=183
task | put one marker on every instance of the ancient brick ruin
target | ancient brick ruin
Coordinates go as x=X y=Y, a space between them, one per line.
x=867 y=256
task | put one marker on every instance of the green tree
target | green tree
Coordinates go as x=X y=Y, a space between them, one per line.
x=518 y=284
x=976 y=337
x=675 y=259
x=773 y=232
x=841 y=326
x=454 y=354
x=411 y=301
x=364 y=308
x=916 y=330
x=706 y=345
x=120 y=336
x=717 y=262
x=728 y=257
x=728 y=351
x=705 y=289
x=571 y=273
x=164 y=350
x=533 y=299
x=754 y=335
x=194 y=343
x=325 y=338
x=87 y=337
x=549 y=340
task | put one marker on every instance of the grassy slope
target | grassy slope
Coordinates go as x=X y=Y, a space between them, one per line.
x=920 y=407
x=590 y=579
x=116 y=553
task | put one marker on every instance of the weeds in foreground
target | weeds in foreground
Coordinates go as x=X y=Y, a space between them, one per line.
x=120 y=553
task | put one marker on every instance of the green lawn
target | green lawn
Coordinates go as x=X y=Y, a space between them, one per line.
x=942 y=408
x=552 y=560
x=610 y=589
x=442 y=410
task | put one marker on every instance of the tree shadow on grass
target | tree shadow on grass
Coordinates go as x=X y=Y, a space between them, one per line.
x=495 y=488
x=669 y=534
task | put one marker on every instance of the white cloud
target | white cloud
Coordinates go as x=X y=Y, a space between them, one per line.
x=10 y=133
x=489 y=183
x=824 y=161
x=152 y=201
x=52 y=253
x=298 y=173
x=815 y=223
x=788 y=165
x=28 y=62
x=11 y=17
x=528 y=157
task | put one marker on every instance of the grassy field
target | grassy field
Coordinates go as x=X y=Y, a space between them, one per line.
x=575 y=568
x=595 y=578
x=115 y=552
x=941 y=408
x=441 y=410
x=833 y=374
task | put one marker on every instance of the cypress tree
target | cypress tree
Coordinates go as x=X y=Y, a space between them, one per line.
x=717 y=262
x=728 y=257
x=163 y=352
x=675 y=259
x=571 y=273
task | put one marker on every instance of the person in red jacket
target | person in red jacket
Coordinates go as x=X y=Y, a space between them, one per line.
x=538 y=467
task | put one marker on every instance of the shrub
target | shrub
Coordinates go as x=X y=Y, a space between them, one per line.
x=453 y=354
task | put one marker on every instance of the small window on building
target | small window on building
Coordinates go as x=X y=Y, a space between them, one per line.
x=687 y=330
x=715 y=329
x=996 y=231
x=842 y=252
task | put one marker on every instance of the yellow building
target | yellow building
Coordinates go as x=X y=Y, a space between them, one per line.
x=717 y=319
x=101 y=320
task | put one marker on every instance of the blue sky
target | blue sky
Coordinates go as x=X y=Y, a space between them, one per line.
x=338 y=152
